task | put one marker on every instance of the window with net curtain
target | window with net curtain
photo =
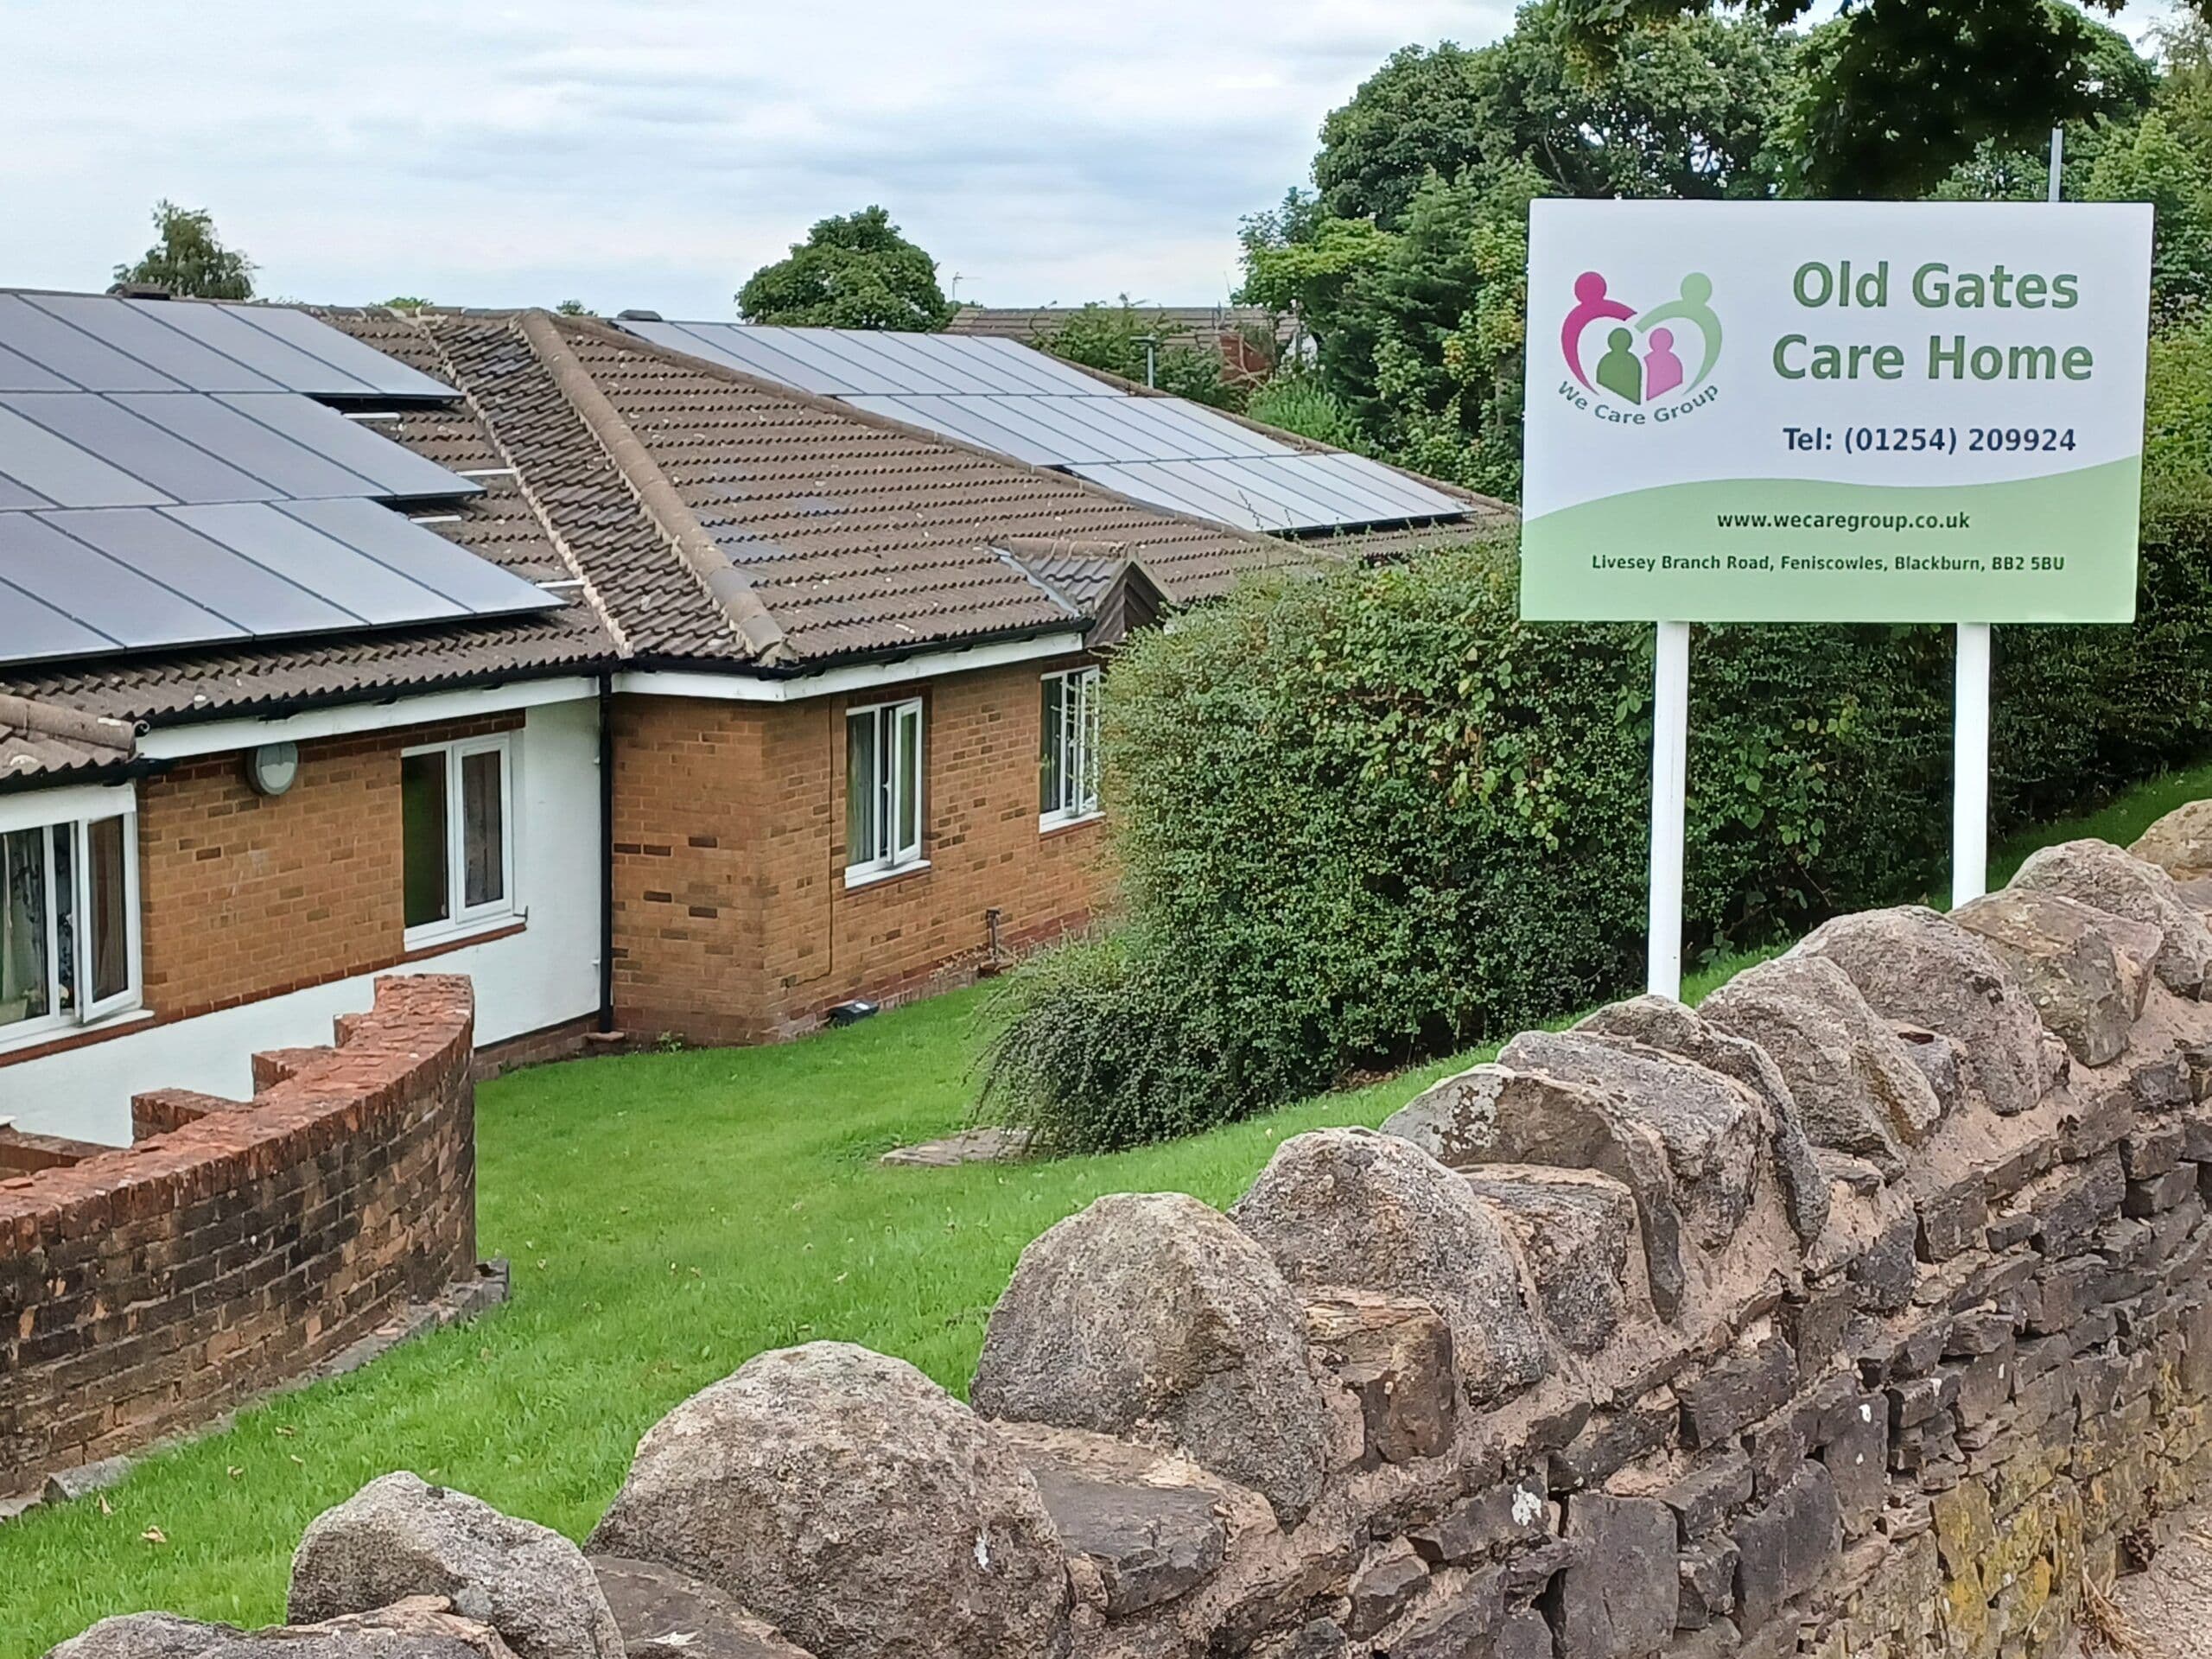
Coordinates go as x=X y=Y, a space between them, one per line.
x=1068 y=762
x=883 y=788
x=454 y=817
x=68 y=922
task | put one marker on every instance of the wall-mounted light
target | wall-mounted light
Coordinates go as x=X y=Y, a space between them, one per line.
x=272 y=768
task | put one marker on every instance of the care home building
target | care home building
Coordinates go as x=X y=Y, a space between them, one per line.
x=656 y=691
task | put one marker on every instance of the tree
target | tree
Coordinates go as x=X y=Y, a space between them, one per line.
x=1896 y=94
x=2151 y=164
x=856 y=271
x=1112 y=338
x=188 y=258
x=1694 y=109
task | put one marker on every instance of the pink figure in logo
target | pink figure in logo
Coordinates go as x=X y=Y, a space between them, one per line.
x=1590 y=303
x=1663 y=369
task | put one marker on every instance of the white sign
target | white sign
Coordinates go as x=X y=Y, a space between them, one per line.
x=1849 y=411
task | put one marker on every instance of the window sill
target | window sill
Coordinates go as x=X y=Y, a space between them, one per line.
x=69 y=1033
x=435 y=940
x=1053 y=823
x=870 y=877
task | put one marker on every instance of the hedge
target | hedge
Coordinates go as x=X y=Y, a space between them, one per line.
x=1369 y=814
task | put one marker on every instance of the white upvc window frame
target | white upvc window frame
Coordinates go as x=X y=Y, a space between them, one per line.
x=892 y=790
x=1076 y=799
x=72 y=816
x=461 y=918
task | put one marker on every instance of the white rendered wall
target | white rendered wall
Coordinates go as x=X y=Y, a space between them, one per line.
x=541 y=977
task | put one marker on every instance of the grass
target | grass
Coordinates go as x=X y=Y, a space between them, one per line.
x=667 y=1216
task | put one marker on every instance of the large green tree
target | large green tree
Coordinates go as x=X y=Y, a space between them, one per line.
x=1896 y=94
x=1694 y=109
x=854 y=271
x=188 y=258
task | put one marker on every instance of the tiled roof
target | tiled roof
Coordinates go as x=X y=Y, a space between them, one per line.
x=44 y=740
x=692 y=515
x=855 y=535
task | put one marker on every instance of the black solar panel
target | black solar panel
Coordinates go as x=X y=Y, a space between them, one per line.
x=96 y=342
x=168 y=478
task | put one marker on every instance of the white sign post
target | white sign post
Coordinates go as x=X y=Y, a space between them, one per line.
x=1831 y=412
x=1670 y=762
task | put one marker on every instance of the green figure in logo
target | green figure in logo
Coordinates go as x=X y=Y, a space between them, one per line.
x=1618 y=371
x=1695 y=307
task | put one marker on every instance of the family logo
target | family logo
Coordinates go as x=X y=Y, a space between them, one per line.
x=1640 y=380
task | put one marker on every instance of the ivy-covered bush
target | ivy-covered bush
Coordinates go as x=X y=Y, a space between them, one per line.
x=1370 y=814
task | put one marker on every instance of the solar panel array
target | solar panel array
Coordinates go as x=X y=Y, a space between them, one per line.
x=1001 y=394
x=169 y=477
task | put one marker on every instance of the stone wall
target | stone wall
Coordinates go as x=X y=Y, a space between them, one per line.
x=237 y=1246
x=1865 y=1311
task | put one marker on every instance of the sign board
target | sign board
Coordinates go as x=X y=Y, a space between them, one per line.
x=1834 y=412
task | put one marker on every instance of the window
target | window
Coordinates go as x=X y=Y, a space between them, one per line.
x=458 y=849
x=68 y=922
x=1069 y=763
x=883 y=789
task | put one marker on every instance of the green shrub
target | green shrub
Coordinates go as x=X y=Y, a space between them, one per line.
x=1369 y=814
x=1298 y=401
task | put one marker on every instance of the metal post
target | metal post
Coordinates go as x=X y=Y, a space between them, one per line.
x=1670 y=723
x=1970 y=722
x=1151 y=343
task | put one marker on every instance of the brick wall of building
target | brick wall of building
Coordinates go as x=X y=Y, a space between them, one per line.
x=244 y=896
x=148 y=1289
x=733 y=921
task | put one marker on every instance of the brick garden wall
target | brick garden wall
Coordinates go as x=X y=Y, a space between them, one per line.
x=237 y=1246
x=733 y=921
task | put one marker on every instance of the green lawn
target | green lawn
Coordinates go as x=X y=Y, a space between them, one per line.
x=668 y=1216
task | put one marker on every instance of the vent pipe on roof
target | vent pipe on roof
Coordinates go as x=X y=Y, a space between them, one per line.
x=140 y=291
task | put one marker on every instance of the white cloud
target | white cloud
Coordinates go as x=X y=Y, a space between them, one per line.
x=628 y=153
x=653 y=152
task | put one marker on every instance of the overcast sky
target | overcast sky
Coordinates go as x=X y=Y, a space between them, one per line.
x=654 y=152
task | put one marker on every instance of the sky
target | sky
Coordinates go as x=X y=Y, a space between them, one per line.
x=653 y=153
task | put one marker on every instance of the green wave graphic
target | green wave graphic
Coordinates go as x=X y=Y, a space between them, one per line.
x=2056 y=548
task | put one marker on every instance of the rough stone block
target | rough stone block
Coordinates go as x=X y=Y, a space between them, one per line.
x=666 y=1614
x=1706 y=1573
x=1384 y=1586
x=2152 y=1150
x=2080 y=1202
x=2085 y=969
x=1953 y=1220
x=1154 y=1307
x=1464 y=1623
x=1775 y=1448
x=2157 y=1193
x=1394 y=1354
x=1856 y=1458
x=1351 y=1207
x=1706 y=1496
x=1857 y=1090
x=2100 y=875
x=1573 y=1228
x=1613 y=1439
x=1887 y=1270
x=1149 y=1544
x=1915 y=967
x=1814 y=1322
x=1786 y=1547
x=1515 y=1512
x=1749 y=1380
x=1623 y=1598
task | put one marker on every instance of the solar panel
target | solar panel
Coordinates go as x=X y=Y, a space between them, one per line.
x=153 y=578
x=66 y=472
x=180 y=557
x=116 y=601
x=1001 y=394
x=123 y=326
x=177 y=469
x=92 y=342
x=73 y=356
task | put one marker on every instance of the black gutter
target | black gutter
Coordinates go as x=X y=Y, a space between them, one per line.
x=606 y=851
